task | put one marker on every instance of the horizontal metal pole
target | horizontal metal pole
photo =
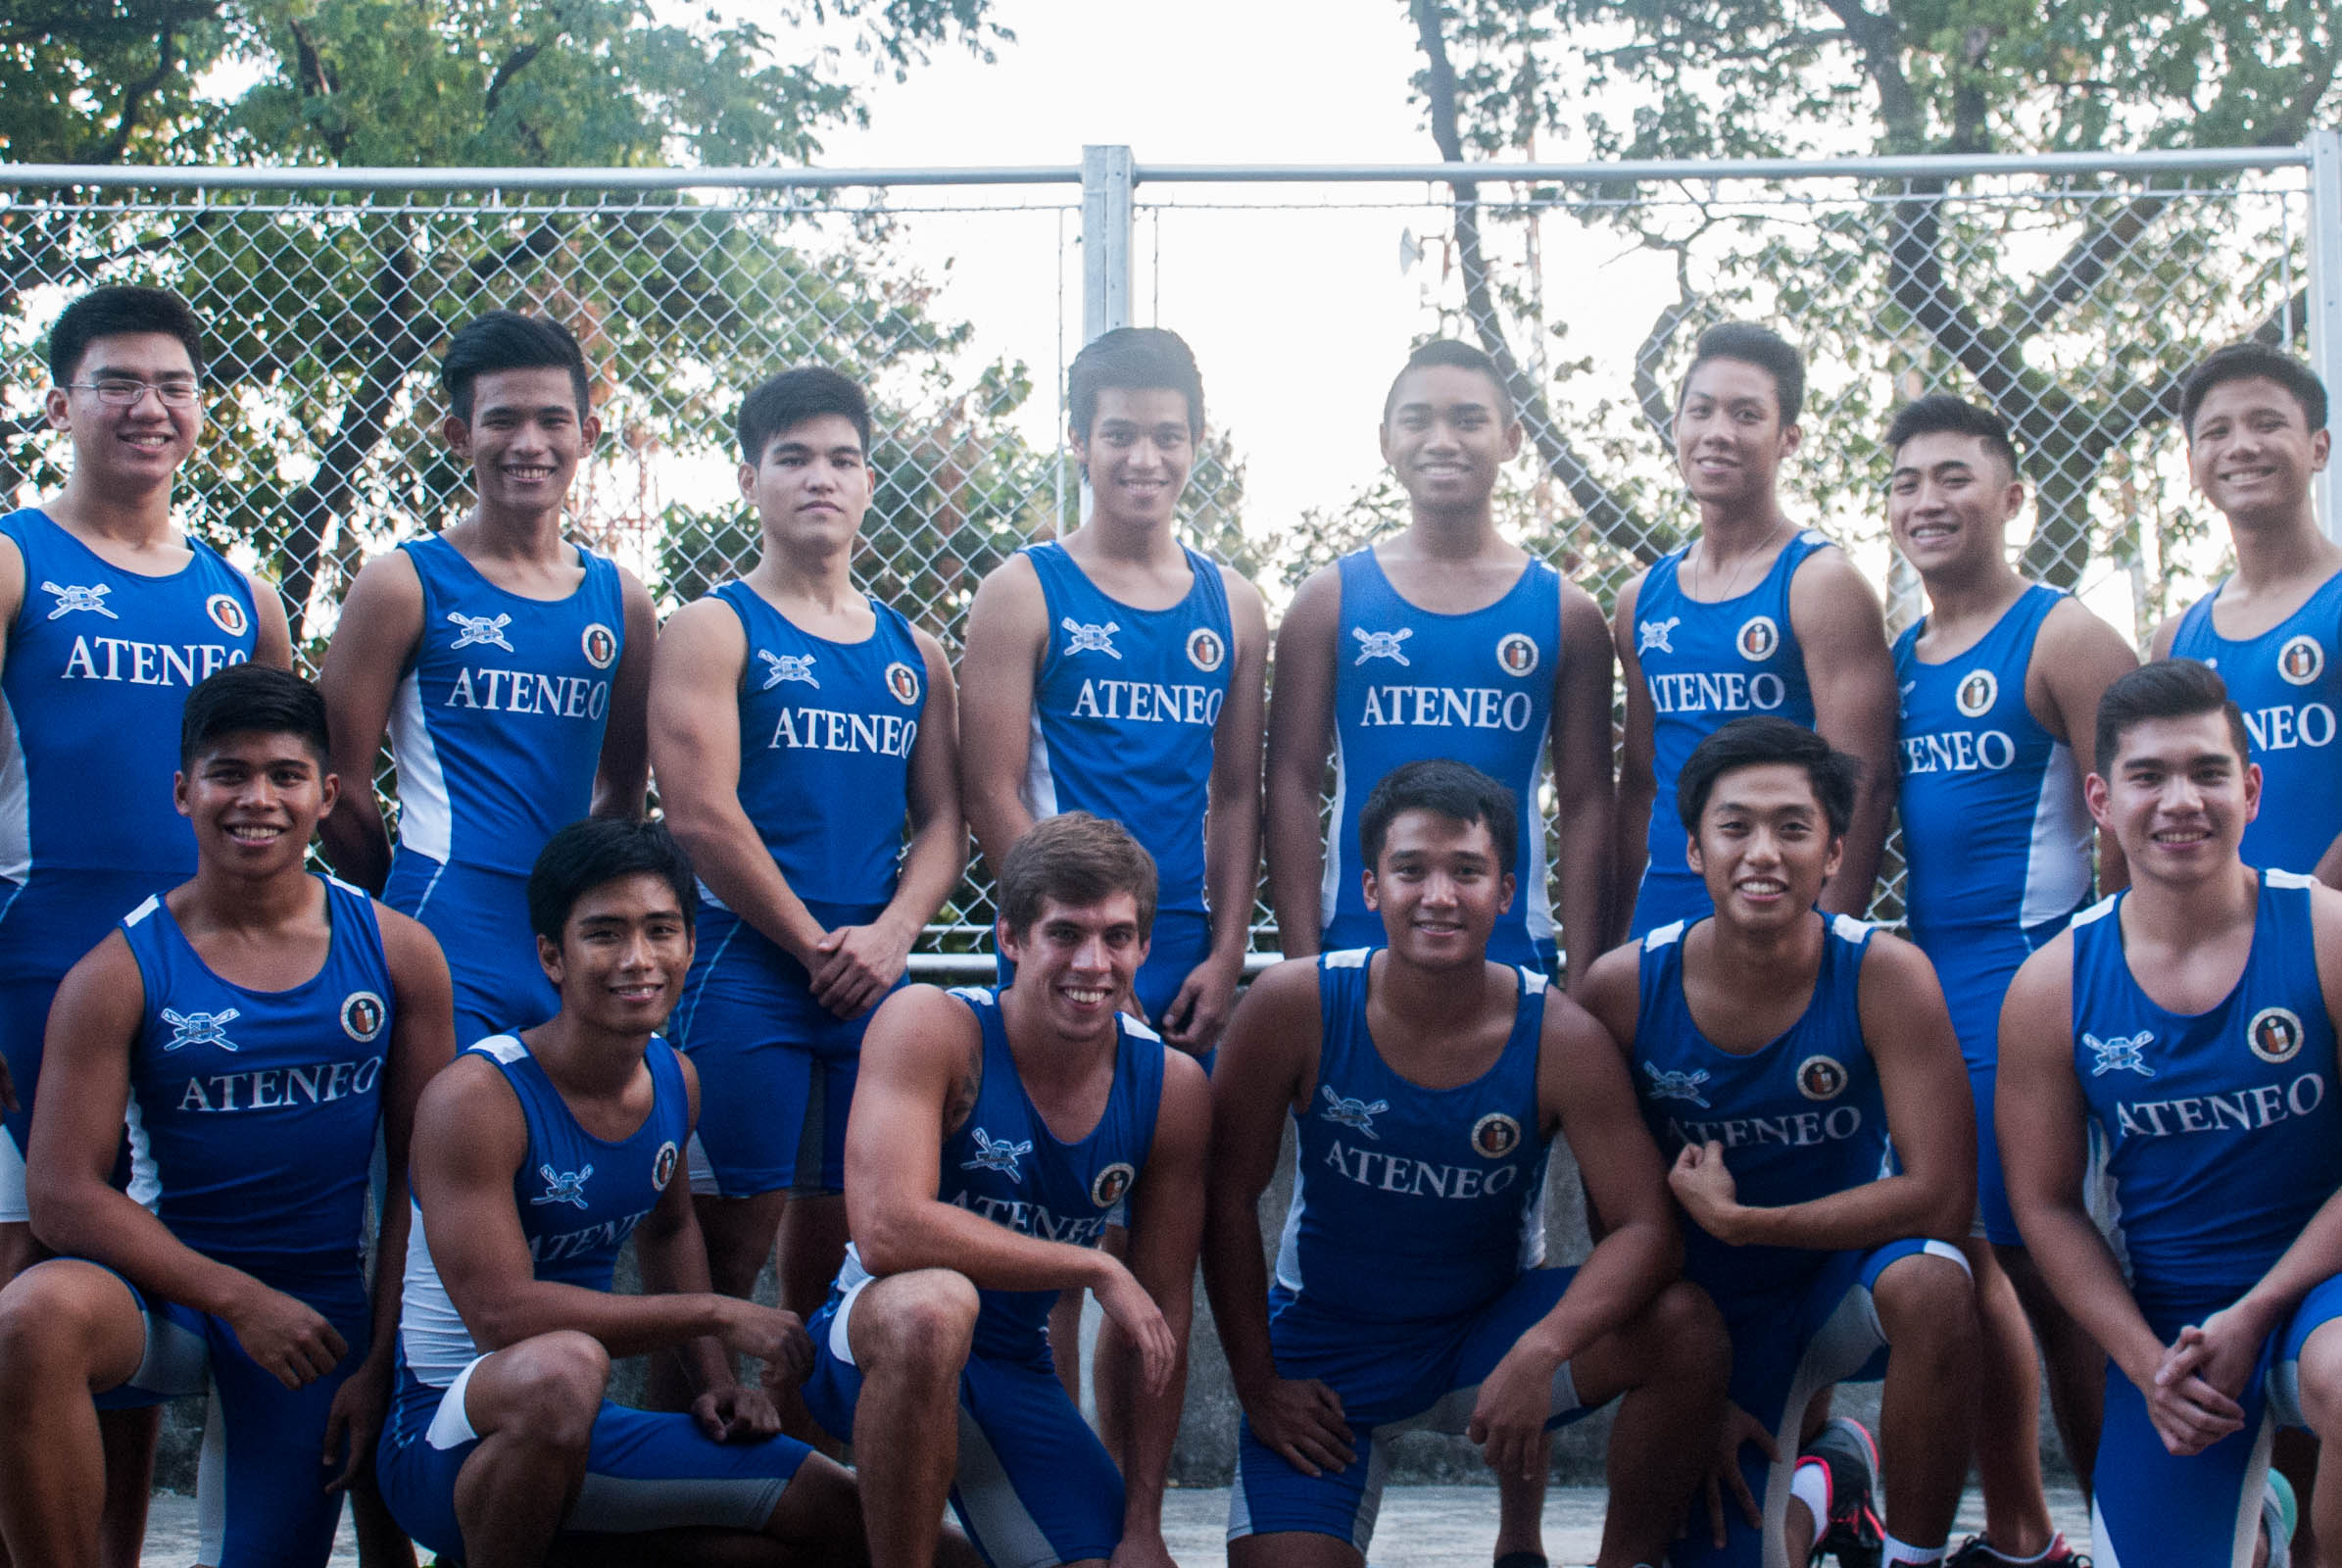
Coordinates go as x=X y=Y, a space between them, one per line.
x=184 y=176
x=2182 y=161
x=931 y=966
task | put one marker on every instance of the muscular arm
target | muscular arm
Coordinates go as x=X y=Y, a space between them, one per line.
x=922 y=1057
x=695 y=741
x=1851 y=673
x=271 y=636
x=2076 y=659
x=1637 y=781
x=1300 y=738
x=624 y=772
x=674 y=1259
x=1195 y=1017
x=381 y=621
x=422 y=1041
x=1908 y=1032
x=1585 y=802
x=1008 y=630
x=1166 y=1227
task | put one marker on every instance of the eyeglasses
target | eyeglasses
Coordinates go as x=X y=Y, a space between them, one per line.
x=128 y=391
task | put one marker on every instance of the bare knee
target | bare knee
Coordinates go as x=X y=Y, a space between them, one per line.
x=65 y=1318
x=1928 y=1304
x=916 y=1324
x=554 y=1384
x=2320 y=1378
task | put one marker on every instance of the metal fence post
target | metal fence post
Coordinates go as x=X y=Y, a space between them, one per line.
x=1108 y=175
x=2325 y=292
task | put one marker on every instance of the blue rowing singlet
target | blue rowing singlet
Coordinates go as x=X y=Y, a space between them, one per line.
x=252 y=1113
x=1705 y=663
x=579 y=1197
x=1004 y=1165
x=826 y=721
x=1412 y=1205
x=2220 y=1126
x=99 y=663
x=1995 y=834
x=2288 y=681
x=1124 y=711
x=1412 y=683
x=497 y=728
x=1800 y=1117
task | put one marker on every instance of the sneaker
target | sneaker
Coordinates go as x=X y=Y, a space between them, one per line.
x=1850 y=1459
x=2279 y=1512
x=1974 y=1554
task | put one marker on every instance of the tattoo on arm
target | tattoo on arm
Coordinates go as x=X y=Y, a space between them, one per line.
x=962 y=1103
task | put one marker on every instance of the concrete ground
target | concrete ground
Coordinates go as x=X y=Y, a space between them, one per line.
x=1421 y=1527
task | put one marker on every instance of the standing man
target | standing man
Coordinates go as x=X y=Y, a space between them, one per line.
x=260 y=1025
x=1118 y=672
x=1446 y=640
x=2255 y=441
x=993 y=1132
x=537 y=1156
x=1425 y=1083
x=509 y=665
x=799 y=725
x=1778 y=1051
x=112 y=613
x=2000 y=687
x=2192 y=1021
x=1754 y=616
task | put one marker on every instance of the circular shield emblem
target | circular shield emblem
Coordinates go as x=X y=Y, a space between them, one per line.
x=2274 y=1034
x=1979 y=690
x=903 y=682
x=228 y=615
x=663 y=1166
x=1107 y=1186
x=1516 y=653
x=1821 y=1078
x=1205 y=651
x=601 y=645
x=1495 y=1136
x=2301 y=660
x=1758 y=638
x=362 y=1016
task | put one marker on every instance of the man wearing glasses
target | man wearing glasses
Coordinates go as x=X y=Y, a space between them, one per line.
x=111 y=614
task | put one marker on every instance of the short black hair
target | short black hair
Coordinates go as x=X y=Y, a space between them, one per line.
x=1756 y=741
x=785 y=401
x=2165 y=688
x=1454 y=790
x=1458 y=355
x=1134 y=358
x=116 y=309
x=1941 y=413
x=507 y=341
x=1077 y=860
x=1761 y=347
x=2246 y=361
x=244 y=699
x=599 y=849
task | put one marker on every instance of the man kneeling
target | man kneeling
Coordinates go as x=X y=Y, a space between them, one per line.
x=536 y=1155
x=992 y=1133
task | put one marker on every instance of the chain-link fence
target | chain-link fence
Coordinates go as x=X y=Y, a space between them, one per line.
x=2071 y=300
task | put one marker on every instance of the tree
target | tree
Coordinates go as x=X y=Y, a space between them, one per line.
x=1713 y=78
x=325 y=313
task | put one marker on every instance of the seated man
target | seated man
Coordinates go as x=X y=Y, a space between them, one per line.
x=1425 y=1085
x=536 y=1155
x=993 y=1132
x=260 y=1025
x=1776 y=1050
x=2192 y=1019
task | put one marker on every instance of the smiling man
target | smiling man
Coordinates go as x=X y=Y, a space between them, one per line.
x=260 y=1025
x=1425 y=1084
x=786 y=687
x=509 y=665
x=1445 y=640
x=2000 y=687
x=992 y=1133
x=1756 y=615
x=1801 y=1070
x=2256 y=440
x=2191 y=1022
